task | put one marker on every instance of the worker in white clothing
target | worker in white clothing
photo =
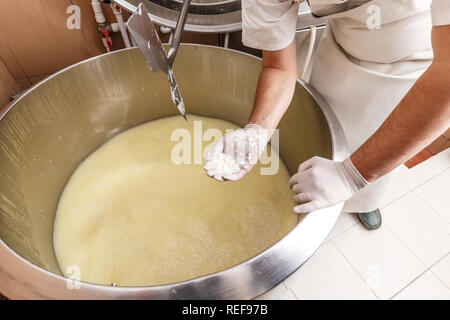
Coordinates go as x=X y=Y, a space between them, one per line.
x=390 y=93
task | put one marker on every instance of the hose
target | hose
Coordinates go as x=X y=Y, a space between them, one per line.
x=309 y=51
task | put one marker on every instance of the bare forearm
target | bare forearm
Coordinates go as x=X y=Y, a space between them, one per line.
x=422 y=115
x=273 y=96
x=275 y=88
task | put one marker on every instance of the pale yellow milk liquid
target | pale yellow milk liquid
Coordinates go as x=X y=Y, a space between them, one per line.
x=131 y=217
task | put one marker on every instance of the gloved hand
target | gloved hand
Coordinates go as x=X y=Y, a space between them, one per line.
x=321 y=183
x=235 y=154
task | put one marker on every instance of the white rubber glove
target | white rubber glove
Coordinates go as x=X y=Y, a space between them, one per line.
x=235 y=154
x=321 y=183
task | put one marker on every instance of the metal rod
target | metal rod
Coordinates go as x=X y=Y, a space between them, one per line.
x=178 y=32
x=226 y=40
x=170 y=37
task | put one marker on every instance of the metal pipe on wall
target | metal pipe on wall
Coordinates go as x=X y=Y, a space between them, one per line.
x=106 y=28
x=98 y=12
x=102 y=25
x=118 y=13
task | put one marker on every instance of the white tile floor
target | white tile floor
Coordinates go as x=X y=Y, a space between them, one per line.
x=407 y=258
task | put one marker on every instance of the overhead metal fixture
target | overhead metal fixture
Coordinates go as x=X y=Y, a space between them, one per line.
x=205 y=16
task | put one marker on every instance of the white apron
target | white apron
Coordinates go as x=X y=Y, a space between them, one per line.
x=362 y=71
x=365 y=87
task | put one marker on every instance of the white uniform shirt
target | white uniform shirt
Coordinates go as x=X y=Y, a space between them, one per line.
x=404 y=27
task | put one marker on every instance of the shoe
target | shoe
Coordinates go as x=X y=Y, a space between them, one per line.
x=371 y=220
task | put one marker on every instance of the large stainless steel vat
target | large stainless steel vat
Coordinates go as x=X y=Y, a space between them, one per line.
x=48 y=131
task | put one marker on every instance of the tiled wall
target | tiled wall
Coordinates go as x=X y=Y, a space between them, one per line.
x=8 y=85
x=35 y=42
x=440 y=144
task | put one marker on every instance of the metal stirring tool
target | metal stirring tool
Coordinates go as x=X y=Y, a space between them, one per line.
x=147 y=39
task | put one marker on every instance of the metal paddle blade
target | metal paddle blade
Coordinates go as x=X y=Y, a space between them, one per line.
x=147 y=39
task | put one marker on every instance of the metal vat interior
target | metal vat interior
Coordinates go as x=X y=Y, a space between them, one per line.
x=51 y=129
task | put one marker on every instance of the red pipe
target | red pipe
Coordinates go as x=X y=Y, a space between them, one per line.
x=107 y=38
